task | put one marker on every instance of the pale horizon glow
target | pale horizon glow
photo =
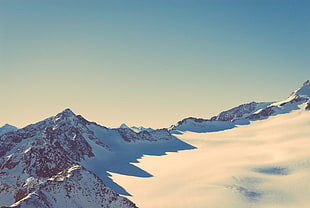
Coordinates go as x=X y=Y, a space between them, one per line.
x=148 y=63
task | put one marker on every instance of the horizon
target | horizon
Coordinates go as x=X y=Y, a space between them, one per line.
x=148 y=63
x=307 y=81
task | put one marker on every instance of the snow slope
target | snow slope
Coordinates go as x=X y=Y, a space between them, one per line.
x=40 y=166
x=126 y=147
x=245 y=113
x=65 y=160
x=262 y=165
x=68 y=161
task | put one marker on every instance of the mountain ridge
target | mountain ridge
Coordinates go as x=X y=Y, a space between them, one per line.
x=37 y=162
x=245 y=113
x=40 y=161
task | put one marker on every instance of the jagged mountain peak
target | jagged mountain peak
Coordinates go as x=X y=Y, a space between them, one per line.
x=33 y=156
x=135 y=129
x=243 y=114
x=124 y=126
x=68 y=118
x=7 y=128
x=67 y=113
x=303 y=91
x=307 y=83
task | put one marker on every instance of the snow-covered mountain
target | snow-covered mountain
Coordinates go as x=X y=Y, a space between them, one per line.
x=134 y=128
x=67 y=161
x=245 y=113
x=265 y=164
x=63 y=161
x=262 y=165
x=7 y=128
x=300 y=98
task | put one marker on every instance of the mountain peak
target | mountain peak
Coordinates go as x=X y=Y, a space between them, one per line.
x=124 y=126
x=67 y=112
x=304 y=91
x=65 y=116
x=8 y=126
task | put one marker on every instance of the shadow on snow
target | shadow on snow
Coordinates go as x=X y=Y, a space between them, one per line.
x=123 y=154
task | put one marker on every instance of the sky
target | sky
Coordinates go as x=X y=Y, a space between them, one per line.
x=148 y=62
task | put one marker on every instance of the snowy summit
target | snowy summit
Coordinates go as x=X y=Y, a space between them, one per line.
x=62 y=162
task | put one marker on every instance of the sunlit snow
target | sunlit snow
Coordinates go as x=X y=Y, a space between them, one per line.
x=264 y=164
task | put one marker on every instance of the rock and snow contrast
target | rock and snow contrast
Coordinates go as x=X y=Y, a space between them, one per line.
x=265 y=164
x=245 y=113
x=136 y=129
x=65 y=160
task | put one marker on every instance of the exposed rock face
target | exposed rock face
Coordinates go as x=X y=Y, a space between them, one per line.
x=155 y=135
x=242 y=114
x=73 y=187
x=294 y=99
x=298 y=97
x=225 y=120
x=308 y=105
x=268 y=111
x=237 y=112
x=40 y=166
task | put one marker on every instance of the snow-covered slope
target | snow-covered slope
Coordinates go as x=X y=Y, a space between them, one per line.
x=262 y=165
x=72 y=187
x=63 y=161
x=245 y=113
x=67 y=161
x=126 y=146
x=293 y=102
x=225 y=120
x=7 y=128
x=40 y=166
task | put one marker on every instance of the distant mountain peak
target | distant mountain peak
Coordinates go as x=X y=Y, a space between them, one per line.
x=303 y=91
x=7 y=128
x=66 y=113
x=135 y=129
x=48 y=160
x=242 y=114
x=66 y=116
x=124 y=126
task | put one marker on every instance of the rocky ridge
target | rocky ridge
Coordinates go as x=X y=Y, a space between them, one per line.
x=245 y=113
x=40 y=165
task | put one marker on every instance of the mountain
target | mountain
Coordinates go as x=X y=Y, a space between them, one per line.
x=7 y=128
x=262 y=165
x=68 y=161
x=136 y=129
x=300 y=98
x=63 y=161
x=245 y=113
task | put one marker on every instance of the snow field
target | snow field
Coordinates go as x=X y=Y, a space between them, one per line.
x=264 y=164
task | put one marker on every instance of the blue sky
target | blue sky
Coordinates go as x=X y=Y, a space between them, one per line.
x=146 y=62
